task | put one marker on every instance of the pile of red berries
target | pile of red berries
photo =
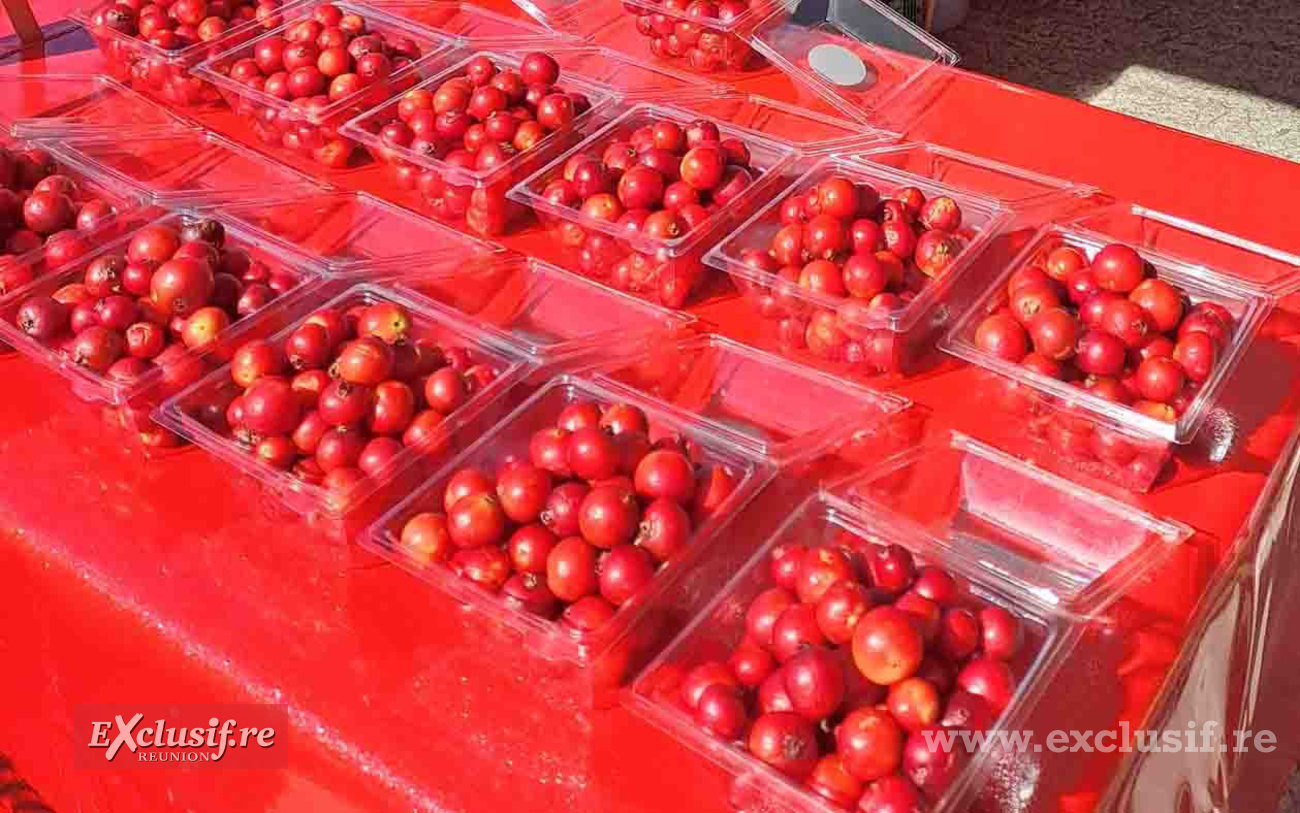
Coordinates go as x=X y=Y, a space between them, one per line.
x=41 y=208
x=849 y=660
x=344 y=393
x=688 y=29
x=1110 y=326
x=580 y=526
x=314 y=63
x=175 y=24
x=477 y=121
x=659 y=182
x=842 y=240
x=171 y=289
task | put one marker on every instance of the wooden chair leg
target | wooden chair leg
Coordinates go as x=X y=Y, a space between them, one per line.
x=20 y=14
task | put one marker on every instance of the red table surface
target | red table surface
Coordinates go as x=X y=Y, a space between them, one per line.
x=134 y=580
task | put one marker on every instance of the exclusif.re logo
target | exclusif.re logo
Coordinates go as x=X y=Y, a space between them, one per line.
x=221 y=735
x=190 y=744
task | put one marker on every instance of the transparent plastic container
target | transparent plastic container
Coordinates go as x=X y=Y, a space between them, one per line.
x=1060 y=543
x=551 y=314
x=25 y=254
x=826 y=522
x=160 y=380
x=843 y=333
x=165 y=74
x=670 y=271
x=476 y=198
x=186 y=169
x=813 y=133
x=633 y=79
x=782 y=411
x=341 y=513
x=1246 y=261
x=860 y=56
x=62 y=105
x=1078 y=428
x=359 y=236
x=472 y=25
x=1022 y=191
x=590 y=664
x=287 y=127
x=1048 y=551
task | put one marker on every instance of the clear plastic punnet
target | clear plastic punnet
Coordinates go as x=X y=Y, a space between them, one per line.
x=305 y=124
x=472 y=25
x=738 y=655
x=81 y=211
x=551 y=313
x=997 y=564
x=331 y=490
x=662 y=259
x=859 y=55
x=61 y=105
x=1102 y=408
x=98 y=294
x=356 y=235
x=160 y=65
x=471 y=196
x=589 y=650
x=848 y=290
x=186 y=169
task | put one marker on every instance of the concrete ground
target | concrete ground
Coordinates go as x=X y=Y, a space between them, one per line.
x=1224 y=69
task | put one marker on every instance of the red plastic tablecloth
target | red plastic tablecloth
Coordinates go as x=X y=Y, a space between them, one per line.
x=124 y=579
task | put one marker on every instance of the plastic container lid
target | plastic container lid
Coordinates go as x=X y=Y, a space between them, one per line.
x=1062 y=545
x=859 y=55
x=358 y=235
x=1251 y=263
x=59 y=105
x=812 y=132
x=1012 y=187
x=189 y=168
x=471 y=25
x=632 y=78
x=550 y=312
x=784 y=411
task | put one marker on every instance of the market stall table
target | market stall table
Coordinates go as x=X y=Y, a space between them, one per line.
x=168 y=581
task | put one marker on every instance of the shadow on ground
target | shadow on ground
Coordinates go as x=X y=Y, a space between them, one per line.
x=1223 y=68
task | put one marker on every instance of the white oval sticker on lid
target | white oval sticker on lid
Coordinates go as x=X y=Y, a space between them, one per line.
x=837 y=64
